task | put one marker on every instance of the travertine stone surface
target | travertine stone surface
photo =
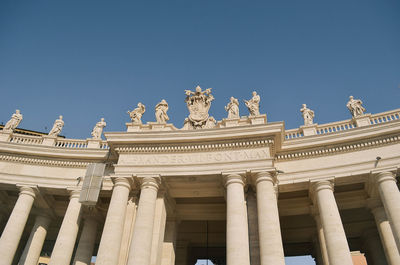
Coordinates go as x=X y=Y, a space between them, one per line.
x=15 y=226
x=385 y=231
x=253 y=227
x=373 y=248
x=338 y=248
x=65 y=242
x=33 y=247
x=110 y=243
x=84 y=251
x=140 y=250
x=237 y=235
x=169 y=244
x=158 y=230
x=390 y=196
x=129 y=223
x=271 y=248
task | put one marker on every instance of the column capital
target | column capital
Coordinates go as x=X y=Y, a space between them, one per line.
x=320 y=184
x=27 y=190
x=74 y=193
x=230 y=178
x=152 y=182
x=123 y=182
x=265 y=176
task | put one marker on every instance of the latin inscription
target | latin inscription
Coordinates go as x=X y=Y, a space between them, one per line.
x=194 y=158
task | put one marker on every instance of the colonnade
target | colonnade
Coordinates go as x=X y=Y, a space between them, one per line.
x=331 y=236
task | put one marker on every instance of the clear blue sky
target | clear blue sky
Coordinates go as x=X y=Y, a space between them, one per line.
x=92 y=59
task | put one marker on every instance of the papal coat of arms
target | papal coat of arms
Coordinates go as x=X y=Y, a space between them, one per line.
x=199 y=103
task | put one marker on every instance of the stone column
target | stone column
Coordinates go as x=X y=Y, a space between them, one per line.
x=390 y=196
x=169 y=245
x=373 y=249
x=335 y=237
x=65 y=242
x=33 y=247
x=129 y=222
x=237 y=235
x=110 y=243
x=321 y=237
x=253 y=228
x=271 y=247
x=84 y=251
x=160 y=219
x=140 y=250
x=385 y=232
x=15 y=226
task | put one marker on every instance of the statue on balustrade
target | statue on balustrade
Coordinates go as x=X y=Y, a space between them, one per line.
x=136 y=114
x=198 y=104
x=161 y=112
x=57 y=127
x=253 y=104
x=233 y=108
x=98 y=129
x=308 y=115
x=355 y=107
x=13 y=123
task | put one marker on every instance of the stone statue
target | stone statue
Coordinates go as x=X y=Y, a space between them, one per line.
x=355 y=107
x=308 y=115
x=13 y=123
x=136 y=114
x=253 y=104
x=161 y=112
x=198 y=104
x=57 y=127
x=98 y=129
x=233 y=108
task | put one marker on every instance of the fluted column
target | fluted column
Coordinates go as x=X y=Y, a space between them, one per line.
x=33 y=247
x=271 y=248
x=237 y=235
x=390 y=196
x=84 y=251
x=110 y=243
x=385 y=232
x=66 y=238
x=15 y=226
x=253 y=228
x=140 y=250
x=335 y=237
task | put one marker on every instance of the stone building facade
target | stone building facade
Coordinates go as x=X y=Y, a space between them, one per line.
x=237 y=191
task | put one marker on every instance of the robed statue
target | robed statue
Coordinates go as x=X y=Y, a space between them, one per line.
x=233 y=108
x=57 y=126
x=253 y=104
x=13 y=123
x=137 y=113
x=198 y=104
x=161 y=112
x=308 y=115
x=98 y=129
x=355 y=107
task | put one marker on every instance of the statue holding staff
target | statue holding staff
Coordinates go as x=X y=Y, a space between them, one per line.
x=253 y=104
x=161 y=112
x=308 y=115
x=233 y=108
x=355 y=107
x=137 y=113
x=57 y=127
x=98 y=129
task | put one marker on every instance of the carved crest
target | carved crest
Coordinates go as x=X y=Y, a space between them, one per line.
x=198 y=104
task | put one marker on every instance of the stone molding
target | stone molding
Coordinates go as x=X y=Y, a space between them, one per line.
x=194 y=147
x=43 y=161
x=320 y=184
x=342 y=148
x=230 y=178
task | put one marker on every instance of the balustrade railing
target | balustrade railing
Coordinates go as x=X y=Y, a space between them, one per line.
x=344 y=125
x=25 y=139
x=385 y=116
x=71 y=143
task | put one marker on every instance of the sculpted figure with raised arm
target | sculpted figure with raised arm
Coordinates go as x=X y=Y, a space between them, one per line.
x=308 y=115
x=98 y=129
x=57 y=126
x=136 y=114
x=161 y=112
x=233 y=108
x=355 y=107
x=13 y=123
x=253 y=104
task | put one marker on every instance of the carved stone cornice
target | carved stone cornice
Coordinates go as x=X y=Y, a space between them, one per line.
x=325 y=150
x=175 y=148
